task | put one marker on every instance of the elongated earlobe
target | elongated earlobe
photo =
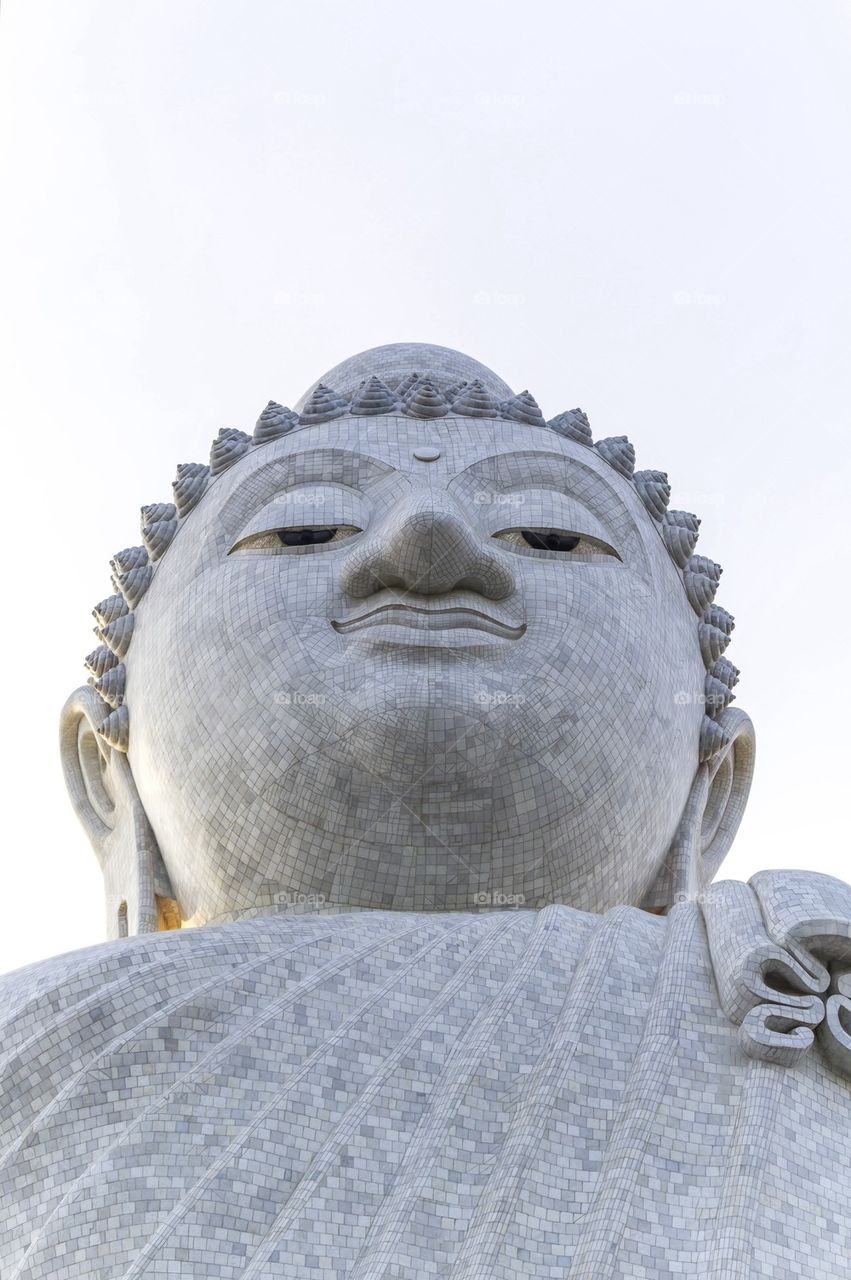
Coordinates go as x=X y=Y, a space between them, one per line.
x=139 y=897
x=711 y=816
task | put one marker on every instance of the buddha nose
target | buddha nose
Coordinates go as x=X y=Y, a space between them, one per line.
x=428 y=547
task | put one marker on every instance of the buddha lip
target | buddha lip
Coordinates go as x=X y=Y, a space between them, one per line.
x=451 y=617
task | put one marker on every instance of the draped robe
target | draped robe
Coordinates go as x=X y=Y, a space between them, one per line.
x=471 y=1096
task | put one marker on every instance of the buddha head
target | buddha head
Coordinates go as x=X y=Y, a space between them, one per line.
x=411 y=647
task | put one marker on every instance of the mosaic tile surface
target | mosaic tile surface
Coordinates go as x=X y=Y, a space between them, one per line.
x=543 y=1094
x=416 y=704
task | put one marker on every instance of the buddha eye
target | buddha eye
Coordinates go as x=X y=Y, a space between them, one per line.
x=309 y=536
x=576 y=546
x=297 y=537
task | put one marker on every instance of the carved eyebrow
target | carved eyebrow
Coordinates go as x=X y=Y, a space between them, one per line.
x=335 y=504
x=595 y=488
x=343 y=467
x=571 y=477
x=358 y=472
x=318 y=466
x=538 y=507
x=543 y=470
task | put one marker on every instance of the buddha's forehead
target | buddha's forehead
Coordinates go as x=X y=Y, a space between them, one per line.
x=466 y=457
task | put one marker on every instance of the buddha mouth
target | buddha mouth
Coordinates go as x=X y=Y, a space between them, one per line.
x=429 y=617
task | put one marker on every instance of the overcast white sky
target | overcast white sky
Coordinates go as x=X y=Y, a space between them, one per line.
x=639 y=208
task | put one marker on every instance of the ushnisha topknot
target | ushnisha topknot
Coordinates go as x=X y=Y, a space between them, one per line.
x=323 y=406
x=372 y=398
x=227 y=448
x=109 y=609
x=523 y=408
x=159 y=525
x=619 y=453
x=425 y=399
x=680 y=531
x=574 y=424
x=473 y=400
x=654 y=491
x=439 y=392
x=189 y=484
x=275 y=421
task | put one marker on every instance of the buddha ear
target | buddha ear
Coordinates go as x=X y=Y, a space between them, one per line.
x=711 y=818
x=139 y=898
x=92 y=778
x=729 y=778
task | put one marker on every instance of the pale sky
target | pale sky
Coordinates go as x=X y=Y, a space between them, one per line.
x=642 y=209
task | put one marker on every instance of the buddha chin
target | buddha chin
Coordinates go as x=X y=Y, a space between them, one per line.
x=421 y=745
x=416 y=720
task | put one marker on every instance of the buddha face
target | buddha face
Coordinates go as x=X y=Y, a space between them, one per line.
x=414 y=665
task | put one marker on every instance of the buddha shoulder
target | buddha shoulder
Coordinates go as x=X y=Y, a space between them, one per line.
x=384 y=1059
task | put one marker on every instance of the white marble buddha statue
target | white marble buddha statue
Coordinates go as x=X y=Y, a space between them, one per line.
x=409 y=760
